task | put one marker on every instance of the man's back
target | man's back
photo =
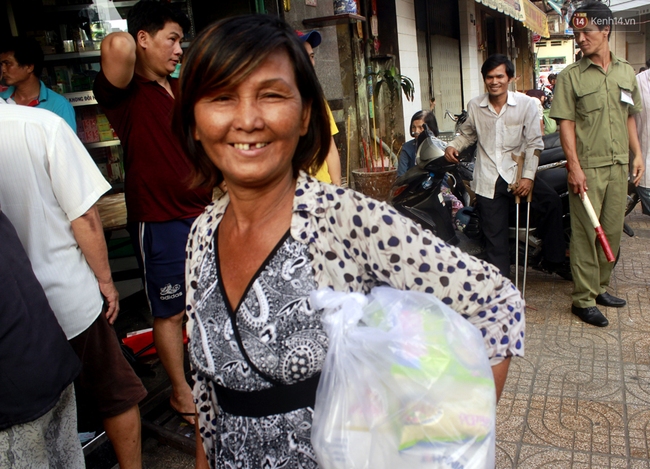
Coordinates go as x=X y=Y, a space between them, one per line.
x=48 y=179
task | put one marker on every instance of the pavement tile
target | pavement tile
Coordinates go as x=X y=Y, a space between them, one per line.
x=533 y=457
x=156 y=455
x=578 y=379
x=635 y=347
x=637 y=383
x=581 y=396
x=505 y=455
x=511 y=416
x=639 y=431
x=576 y=425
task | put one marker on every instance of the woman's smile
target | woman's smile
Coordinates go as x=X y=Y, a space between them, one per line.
x=250 y=130
x=248 y=146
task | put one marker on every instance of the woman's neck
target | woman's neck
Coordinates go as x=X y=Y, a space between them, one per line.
x=255 y=208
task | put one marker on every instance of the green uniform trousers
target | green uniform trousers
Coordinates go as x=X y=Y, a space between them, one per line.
x=607 y=193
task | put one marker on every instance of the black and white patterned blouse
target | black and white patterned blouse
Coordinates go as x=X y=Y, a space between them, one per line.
x=340 y=239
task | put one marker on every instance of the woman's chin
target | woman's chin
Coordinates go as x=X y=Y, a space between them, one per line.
x=257 y=179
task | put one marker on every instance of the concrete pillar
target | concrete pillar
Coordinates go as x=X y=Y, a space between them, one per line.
x=469 y=56
x=408 y=56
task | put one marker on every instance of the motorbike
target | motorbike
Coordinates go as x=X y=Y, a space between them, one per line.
x=430 y=192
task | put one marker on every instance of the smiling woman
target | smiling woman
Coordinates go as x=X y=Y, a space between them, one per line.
x=250 y=113
x=220 y=60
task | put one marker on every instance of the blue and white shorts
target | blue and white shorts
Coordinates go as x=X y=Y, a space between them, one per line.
x=160 y=249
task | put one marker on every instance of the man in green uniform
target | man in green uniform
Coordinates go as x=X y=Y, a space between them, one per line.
x=594 y=101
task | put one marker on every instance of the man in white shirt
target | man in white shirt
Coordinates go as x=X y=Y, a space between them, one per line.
x=505 y=124
x=643 y=130
x=49 y=185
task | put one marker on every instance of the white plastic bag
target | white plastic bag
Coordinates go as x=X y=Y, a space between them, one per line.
x=406 y=384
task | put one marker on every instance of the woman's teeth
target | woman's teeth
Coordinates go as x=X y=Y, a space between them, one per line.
x=248 y=146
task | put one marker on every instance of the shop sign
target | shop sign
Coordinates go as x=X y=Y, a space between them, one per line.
x=535 y=19
x=81 y=98
x=511 y=8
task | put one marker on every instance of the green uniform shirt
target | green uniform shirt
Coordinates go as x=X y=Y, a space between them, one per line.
x=596 y=102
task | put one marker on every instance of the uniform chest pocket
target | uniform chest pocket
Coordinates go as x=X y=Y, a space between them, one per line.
x=512 y=136
x=626 y=94
x=589 y=101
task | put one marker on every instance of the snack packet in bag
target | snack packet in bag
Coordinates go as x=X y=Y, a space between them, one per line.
x=406 y=384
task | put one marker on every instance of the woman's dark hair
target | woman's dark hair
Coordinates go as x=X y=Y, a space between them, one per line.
x=429 y=118
x=151 y=16
x=432 y=122
x=26 y=52
x=597 y=13
x=224 y=55
x=494 y=61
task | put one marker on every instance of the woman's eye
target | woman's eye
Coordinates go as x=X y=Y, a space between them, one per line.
x=222 y=98
x=272 y=95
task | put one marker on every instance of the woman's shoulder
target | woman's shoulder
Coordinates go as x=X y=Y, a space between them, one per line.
x=340 y=207
x=204 y=225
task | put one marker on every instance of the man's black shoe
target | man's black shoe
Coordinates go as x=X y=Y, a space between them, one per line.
x=590 y=315
x=605 y=299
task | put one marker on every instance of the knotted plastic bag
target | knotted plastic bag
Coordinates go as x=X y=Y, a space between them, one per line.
x=406 y=384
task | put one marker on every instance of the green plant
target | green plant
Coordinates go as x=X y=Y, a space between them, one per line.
x=391 y=79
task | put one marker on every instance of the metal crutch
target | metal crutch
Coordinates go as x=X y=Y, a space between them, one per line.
x=519 y=159
x=529 y=199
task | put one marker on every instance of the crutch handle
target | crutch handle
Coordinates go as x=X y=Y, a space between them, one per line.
x=529 y=197
x=519 y=160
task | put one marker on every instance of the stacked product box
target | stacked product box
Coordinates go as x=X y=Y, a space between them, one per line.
x=94 y=127
x=109 y=162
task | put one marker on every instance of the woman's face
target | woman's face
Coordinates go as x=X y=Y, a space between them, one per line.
x=250 y=131
x=417 y=127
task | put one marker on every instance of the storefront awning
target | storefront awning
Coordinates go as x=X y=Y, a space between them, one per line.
x=521 y=10
x=535 y=19
x=511 y=8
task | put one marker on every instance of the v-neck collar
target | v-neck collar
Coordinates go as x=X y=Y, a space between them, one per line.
x=233 y=312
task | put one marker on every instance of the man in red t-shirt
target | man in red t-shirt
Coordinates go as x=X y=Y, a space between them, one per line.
x=137 y=95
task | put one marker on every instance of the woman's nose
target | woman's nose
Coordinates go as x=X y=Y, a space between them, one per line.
x=248 y=116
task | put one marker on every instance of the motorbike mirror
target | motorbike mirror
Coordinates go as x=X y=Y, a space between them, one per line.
x=428 y=149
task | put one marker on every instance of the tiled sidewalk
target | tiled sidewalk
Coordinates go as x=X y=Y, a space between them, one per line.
x=580 y=398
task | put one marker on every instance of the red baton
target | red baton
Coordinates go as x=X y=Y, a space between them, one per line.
x=600 y=234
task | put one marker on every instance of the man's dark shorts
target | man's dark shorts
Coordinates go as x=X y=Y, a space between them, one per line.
x=160 y=249
x=106 y=379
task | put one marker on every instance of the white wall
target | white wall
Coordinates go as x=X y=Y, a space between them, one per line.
x=408 y=57
x=566 y=49
x=469 y=55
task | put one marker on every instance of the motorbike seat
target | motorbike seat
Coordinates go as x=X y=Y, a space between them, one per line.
x=556 y=178
x=552 y=155
x=552 y=140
